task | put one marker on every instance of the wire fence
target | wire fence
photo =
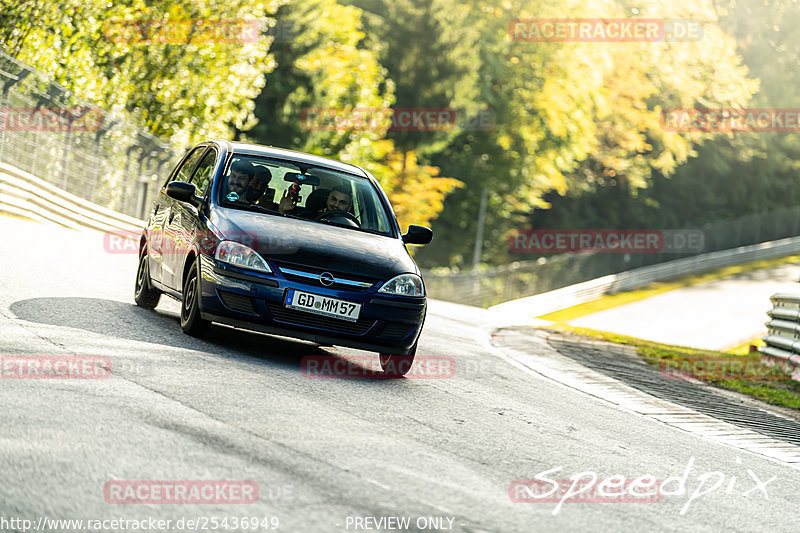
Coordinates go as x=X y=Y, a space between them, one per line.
x=495 y=285
x=92 y=153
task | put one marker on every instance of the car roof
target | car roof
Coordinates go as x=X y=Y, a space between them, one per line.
x=281 y=153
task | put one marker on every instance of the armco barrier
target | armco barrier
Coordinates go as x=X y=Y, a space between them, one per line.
x=25 y=195
x=783 y=332
x=558 y=299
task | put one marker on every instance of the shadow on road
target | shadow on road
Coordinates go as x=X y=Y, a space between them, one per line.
x=122 y=320
x=127 y=321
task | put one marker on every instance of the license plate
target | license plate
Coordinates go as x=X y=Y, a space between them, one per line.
x=322 y=305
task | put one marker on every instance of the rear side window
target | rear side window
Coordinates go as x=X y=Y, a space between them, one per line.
x=202 y=176
x=184 y=172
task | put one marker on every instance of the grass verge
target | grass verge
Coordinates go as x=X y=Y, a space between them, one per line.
x=614 y=300
x=744 y=348
x=745 y=375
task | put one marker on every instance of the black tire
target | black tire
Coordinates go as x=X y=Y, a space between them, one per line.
x=191 y=323
x=144 y=294
x=394 y=365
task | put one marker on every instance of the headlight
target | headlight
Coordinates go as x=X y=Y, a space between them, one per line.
x=404 y=285
x=240 y=255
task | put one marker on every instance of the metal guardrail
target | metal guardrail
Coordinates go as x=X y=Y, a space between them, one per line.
x=23 y=194
x=783 y=332
x=495 y=285
x=95 y=154
x=558 y=299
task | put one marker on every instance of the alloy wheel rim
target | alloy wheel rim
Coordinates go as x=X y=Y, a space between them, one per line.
x=188 y=302
x=140 y=277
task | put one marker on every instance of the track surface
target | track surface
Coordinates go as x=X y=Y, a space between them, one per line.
x=715 y=315
x=323 y=452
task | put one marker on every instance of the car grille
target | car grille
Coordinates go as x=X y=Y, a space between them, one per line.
x=237 y=302
x=311 y=275
x=309 y=320
x=395 y=331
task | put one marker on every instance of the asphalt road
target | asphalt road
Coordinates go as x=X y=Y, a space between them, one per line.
x=327 y=455
x=715 y=315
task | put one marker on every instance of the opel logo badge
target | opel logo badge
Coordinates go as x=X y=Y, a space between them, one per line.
x=326 y=278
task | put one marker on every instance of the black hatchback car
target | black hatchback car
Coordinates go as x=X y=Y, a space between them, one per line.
x=285 y=243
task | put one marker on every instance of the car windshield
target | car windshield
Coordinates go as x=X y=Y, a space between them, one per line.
x=282 y=188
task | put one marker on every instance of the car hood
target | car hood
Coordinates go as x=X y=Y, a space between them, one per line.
x=317 y=245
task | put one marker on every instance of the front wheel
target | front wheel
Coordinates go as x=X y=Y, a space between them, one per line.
x=395 y=365
x=145 y=295
x=191 y=323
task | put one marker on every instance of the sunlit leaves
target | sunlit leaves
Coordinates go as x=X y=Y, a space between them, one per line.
x=416 y=192
x=184 y=71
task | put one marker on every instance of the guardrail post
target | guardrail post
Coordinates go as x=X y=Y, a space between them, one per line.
x=782 y=342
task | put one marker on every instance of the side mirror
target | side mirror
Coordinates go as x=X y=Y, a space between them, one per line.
x=418 y=235
x=183 y=192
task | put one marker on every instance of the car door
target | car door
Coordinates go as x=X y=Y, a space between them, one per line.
x=189 y=222
x=172 y=212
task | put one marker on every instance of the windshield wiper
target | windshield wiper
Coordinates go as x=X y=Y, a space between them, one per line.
x=264 y=209
x=260 y=209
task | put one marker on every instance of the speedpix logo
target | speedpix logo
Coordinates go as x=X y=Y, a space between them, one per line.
x=587 y=487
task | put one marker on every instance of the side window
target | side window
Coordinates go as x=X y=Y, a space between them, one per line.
x=368 y=209
x=184 y=171
x=202 y=176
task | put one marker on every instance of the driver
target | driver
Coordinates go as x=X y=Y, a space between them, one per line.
x=339 y=199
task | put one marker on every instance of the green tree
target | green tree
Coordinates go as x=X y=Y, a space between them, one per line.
x=328 y=68
x=731 y=175
x=321 y=66
x=572 y=114
x=135 y=56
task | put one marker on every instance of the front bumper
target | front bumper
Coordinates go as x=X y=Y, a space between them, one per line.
x=230 y=296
